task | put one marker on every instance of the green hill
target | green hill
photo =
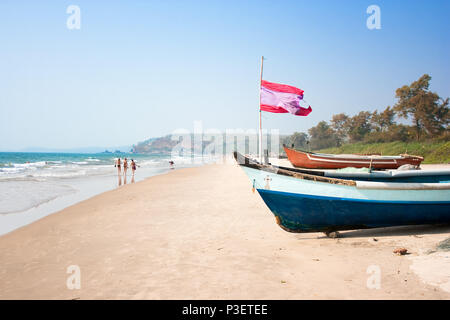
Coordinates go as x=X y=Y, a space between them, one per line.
x=432 y=151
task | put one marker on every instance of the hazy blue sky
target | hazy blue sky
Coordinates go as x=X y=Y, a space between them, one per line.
x=138 y=69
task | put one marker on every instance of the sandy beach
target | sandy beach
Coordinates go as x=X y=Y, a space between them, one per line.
x=200 y=233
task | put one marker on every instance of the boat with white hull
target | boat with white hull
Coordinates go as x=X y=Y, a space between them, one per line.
x=304 y=202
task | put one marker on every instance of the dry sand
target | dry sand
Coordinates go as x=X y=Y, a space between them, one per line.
x=200 y=233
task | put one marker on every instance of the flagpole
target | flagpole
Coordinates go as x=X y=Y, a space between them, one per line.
x=260 y=119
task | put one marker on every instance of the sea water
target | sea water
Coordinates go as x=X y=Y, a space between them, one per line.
x=33 y=185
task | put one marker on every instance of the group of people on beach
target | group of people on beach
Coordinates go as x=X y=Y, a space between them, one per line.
x=118 y=164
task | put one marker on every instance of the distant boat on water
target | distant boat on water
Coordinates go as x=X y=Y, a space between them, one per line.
x=307 y=202
x=303 y=159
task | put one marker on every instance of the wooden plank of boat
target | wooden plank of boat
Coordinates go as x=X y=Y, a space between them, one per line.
x=311 y=160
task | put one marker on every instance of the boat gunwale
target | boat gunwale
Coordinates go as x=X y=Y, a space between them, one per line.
x=299 y=175
x=353 y=157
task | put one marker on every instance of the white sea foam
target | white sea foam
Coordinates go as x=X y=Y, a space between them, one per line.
x=61 y=174
x=79 y=162
x=30 y=165
x=11 y=170
x=21 y=195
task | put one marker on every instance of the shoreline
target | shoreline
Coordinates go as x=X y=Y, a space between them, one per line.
x=200 y=233
x=82 y=189
x=82 y=200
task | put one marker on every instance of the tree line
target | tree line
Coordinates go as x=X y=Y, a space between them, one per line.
x=427 y=113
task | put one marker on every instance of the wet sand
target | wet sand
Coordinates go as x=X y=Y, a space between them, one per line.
x=200 y=233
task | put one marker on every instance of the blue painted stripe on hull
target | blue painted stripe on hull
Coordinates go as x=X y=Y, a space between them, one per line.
x=306 y=213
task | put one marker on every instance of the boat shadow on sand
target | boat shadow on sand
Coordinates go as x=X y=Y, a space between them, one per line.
x=415 y=230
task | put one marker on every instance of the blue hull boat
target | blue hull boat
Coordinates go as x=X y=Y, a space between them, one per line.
x=304 y=202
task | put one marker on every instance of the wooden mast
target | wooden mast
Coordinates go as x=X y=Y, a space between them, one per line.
x=260 y=119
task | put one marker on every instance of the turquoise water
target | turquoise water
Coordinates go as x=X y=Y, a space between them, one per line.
x=23 y=165
x=8 y=158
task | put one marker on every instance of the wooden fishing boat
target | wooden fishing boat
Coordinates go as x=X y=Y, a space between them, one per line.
x=303 y=159
x=363 y=174
x=303 y=202
x=394 y=176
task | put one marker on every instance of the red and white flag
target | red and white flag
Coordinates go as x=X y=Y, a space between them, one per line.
x=281 y=98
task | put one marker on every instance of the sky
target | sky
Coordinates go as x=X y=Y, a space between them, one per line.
x=141 y=69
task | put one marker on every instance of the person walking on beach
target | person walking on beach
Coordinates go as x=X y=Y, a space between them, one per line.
x=117 y=165
x=133 y=166
x=125 y=167
x=119 y=173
